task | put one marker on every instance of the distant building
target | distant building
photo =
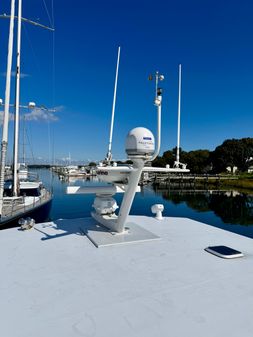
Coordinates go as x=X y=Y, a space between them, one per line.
x=250 y=169
x=232 y=169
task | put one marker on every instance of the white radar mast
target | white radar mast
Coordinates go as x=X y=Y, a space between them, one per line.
x=140 y=148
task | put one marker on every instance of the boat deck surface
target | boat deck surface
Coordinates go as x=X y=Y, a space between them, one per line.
x=55 y=282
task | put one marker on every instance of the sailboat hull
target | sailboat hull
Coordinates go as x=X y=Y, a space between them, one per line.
x=39 y=213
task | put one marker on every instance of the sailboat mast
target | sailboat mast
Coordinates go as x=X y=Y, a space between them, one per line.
x=24 y=140
x=179 y=113
x=109 y=154
x=7 y=105
x=17 y=97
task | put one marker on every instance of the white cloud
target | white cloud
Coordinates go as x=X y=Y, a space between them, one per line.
x=11 y=117
x=37 y=114
x=42 y=114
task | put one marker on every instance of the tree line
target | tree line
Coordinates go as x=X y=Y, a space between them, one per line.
x=232 y=152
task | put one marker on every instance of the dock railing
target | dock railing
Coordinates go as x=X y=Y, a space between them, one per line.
x=189 y=179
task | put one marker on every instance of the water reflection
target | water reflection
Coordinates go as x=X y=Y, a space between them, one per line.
x=231 y=206
x=229 y=210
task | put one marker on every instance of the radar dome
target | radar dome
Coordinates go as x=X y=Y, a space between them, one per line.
x=140 y=141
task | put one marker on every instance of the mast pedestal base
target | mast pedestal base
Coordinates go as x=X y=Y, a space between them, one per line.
x=101 y=236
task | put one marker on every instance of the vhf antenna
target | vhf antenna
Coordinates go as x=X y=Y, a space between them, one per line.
x=177 y=162
x=109 y=153
x=178 y=116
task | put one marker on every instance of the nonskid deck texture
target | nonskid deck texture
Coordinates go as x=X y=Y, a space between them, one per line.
x=54 y=282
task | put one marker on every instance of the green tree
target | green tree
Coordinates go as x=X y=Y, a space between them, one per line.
x=159 y=162
x=233 y=152
x=198 y=161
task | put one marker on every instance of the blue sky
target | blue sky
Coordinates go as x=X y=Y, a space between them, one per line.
x=213 y=40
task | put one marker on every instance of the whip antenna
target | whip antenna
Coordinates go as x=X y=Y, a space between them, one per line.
x=109 y=153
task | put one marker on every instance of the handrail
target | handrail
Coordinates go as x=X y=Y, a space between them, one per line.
x=17 y=205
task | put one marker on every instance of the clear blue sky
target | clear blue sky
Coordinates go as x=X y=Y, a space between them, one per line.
x=212 y=39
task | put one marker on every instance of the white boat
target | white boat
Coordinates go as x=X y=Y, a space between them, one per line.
x=22 y=171
x=19 y=197
x=125 y=275
x=73 y=172
x=33 y=201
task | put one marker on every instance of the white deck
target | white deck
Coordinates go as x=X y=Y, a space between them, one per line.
x=54 y=282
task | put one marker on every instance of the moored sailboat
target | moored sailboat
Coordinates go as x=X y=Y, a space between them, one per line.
x=19 y=195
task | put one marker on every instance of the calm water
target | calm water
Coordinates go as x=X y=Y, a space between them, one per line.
x=229 y=210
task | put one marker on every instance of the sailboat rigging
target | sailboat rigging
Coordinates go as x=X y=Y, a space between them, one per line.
x=6 y=106
x=17 y=96
x=19 y=196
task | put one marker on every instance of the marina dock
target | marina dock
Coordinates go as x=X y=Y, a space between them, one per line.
x=187 y=180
